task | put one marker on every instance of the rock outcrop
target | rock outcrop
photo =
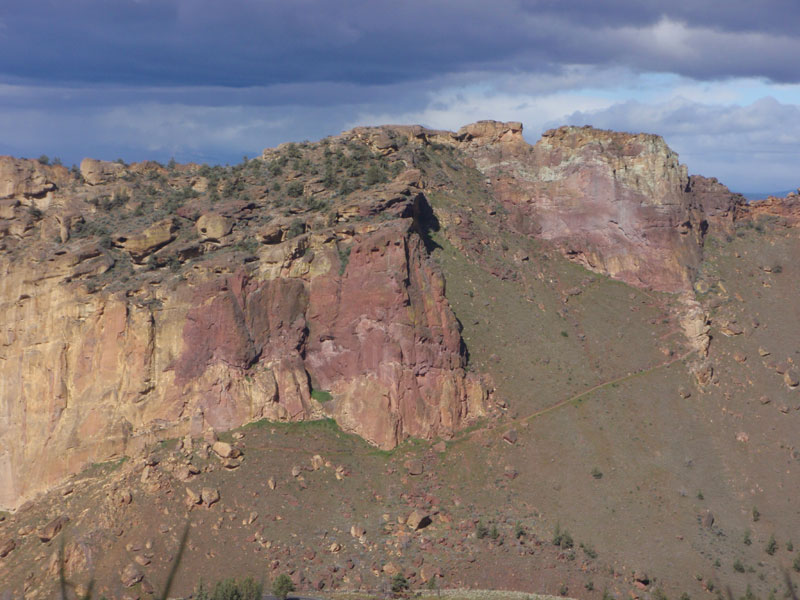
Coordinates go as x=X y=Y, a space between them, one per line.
x=615 y=202
x=138 y=302
x=96 y=364
x=718 y=203
x=786 y=210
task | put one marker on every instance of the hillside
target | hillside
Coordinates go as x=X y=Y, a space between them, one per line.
x=430 y=352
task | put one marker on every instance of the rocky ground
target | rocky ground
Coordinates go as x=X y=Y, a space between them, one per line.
x=555 y=415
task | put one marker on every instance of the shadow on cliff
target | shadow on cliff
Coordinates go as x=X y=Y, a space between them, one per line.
x=425 y=222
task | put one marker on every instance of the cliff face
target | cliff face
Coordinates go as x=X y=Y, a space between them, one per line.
x=617 y=203
x=97 y=360
x=139 y=302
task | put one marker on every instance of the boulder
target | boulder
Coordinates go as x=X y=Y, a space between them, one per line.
x=52 y=529
x=131 y=575
x=7 y=546
x=791 y=378
x=97 y=172
x=225 y=450
x=141 y=245
x=418 y=520
x=511 y=436
x=213 y=227
x=209 y=496
x=414 y=467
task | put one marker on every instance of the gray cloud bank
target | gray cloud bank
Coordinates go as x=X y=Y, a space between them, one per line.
x=210 y=81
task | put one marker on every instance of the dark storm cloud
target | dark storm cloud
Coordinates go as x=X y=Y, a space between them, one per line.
x=267 y=42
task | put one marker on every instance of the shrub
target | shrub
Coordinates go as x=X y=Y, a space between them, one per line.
x=399 y=584
x=44 y=159
x=493 y=532
x=597 y=473
x=294 y=189
x=282 y=586
x=231 y=589
x=562 y=539
x=519 y=530
x=771 y=546
x=796 y=563
x=756 y=514
x=481 y=531
x=375 y=175
x=738 y=566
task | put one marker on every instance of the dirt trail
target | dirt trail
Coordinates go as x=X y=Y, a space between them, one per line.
x=571 y=399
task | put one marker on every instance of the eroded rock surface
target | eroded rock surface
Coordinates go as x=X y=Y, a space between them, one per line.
x=97 y=364
x=615 y=202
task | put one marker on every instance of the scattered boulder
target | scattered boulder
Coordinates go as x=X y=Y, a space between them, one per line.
x=212 y=227
x=124 y=496
x=317 y=462
x=418 y=520
x=209 y=496
x=414 y=467
x=141 y=245
x=739 y=357
x=357 y=531
x=131 y=575
x=511 y=436
x=684 y=393
x=7 y=547
x=97 y=172
x=52 y=529
x=791 y=378
x=707 y=519
x=225 y=450
x=439 y=447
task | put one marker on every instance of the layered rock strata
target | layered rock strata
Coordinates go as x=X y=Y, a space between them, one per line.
x=87 y=372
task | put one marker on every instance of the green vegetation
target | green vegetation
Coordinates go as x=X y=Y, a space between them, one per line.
x=282 y=586
x=562 y=538
x=231 y=589
x=738 y=566
x=295 y=189
x=399 y=584
x=588 y=550
x=756 y=514
x=321 y=395
x=481 y=531
x=771 y=546
x=344 y=258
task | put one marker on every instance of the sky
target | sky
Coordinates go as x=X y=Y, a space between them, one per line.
x=214 y=81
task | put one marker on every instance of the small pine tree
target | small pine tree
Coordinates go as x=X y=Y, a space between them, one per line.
x=282 y=586
x=399 y=584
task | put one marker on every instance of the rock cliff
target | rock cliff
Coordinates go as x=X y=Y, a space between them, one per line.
x=112 y=340
x=617 y=203
x=139 y=302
